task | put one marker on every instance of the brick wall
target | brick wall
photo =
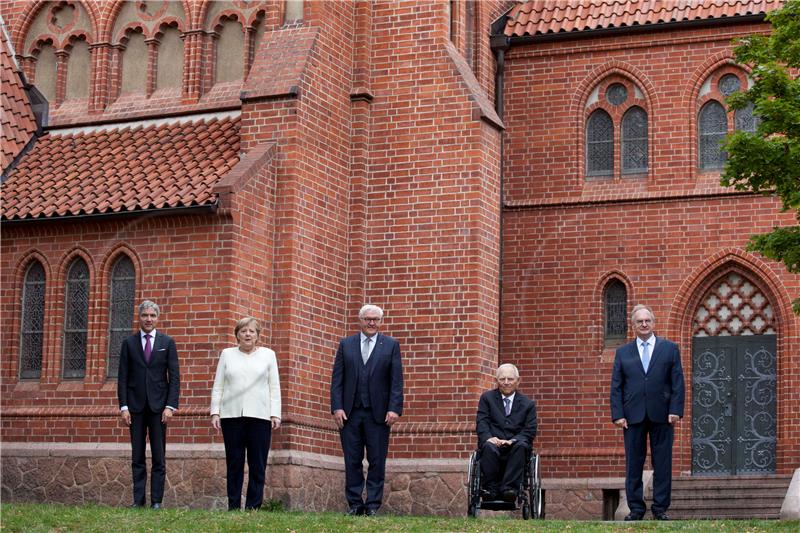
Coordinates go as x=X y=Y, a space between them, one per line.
x=662 y=233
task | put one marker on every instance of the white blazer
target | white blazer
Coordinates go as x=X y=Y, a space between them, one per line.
x=246 y=385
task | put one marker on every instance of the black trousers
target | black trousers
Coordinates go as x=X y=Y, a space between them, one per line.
x=143 y=424
x=661 y=436
x=360 y=431
x=250 y=437
x=502 y=467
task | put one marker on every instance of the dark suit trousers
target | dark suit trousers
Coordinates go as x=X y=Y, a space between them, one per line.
x=142 y=424
x=502 y=468
x=661 y=436
x=361 y=431
x=246 y=436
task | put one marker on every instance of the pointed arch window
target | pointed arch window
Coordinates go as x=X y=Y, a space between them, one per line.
x=634 y=141
x=76 y=319
x=713 y=125
x=32 y=338
x=122 y=291
x=599 y=144
x=615 y=304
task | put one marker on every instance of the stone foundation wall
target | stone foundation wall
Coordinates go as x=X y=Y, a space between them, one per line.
x=77 y=474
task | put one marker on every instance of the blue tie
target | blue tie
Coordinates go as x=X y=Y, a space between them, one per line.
x=645 y=357
x=508 y=405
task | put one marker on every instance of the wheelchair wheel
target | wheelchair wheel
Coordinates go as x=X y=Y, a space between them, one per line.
x=536 y=496
x=473 y=486
x=526 y=511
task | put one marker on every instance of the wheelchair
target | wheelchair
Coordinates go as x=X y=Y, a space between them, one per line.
x=530 y=497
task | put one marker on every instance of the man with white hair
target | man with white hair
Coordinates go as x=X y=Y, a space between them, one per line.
x=366 y=400
x=506 y=426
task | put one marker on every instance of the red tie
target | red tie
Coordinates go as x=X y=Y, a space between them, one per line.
x=148 y=349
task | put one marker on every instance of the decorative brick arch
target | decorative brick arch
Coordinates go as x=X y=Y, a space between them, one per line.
x=112 y=10
x=107 y=262
x=711 y=271
x=692 y=100
x=31 y=11
x=577 y=109
x=598 y=304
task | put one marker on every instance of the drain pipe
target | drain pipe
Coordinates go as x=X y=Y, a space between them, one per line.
x=499 y=44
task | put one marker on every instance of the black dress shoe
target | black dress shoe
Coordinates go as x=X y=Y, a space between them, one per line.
x=490 y=495
x=633 y=517
x=137 y=506
x=156 y=506
x=355 y=510
x=509 y=495
x=371 y=512
x=660 y=516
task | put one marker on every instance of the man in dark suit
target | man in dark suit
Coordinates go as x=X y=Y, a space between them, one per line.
x=506 y=426
x=366 y=400
x=148 y=386
x=647 y=393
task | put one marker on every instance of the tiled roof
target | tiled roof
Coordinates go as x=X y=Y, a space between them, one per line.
x=113 y=169
x=539 y=17
x=16 y=115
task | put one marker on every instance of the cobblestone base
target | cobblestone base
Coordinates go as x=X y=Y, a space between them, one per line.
x=78 y=474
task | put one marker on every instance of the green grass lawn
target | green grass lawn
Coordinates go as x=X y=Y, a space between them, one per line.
x=30 y=518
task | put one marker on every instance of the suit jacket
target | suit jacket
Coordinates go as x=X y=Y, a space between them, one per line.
x=385 y=376
x=656 y=394
x=492 y=421
x=153 y=385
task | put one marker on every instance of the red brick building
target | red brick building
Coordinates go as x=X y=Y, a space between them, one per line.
x=505 y=198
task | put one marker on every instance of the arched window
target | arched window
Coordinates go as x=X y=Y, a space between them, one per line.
x=32 y=334
x=713 y=126
x=745 y=120
x=122 y=291
x=76 y=319
x=634 y=141
x=599 y=144
x=615 y=303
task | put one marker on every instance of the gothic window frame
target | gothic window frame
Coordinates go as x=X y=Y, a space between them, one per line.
x=121 y=302
x=30 y=289
x=713 y=93
x=615 y=313
x=616 y=95
x=76 y=326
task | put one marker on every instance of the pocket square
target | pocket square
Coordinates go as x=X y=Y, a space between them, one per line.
x=161 y=350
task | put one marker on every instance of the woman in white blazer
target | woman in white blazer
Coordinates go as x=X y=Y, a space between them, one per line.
x=246 y=406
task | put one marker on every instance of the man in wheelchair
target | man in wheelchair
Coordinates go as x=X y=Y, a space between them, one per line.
x=506 y=426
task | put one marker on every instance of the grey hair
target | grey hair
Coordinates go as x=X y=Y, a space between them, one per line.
x=507 y=365
x=369 y=307
x=638 y=308
x=147 y=304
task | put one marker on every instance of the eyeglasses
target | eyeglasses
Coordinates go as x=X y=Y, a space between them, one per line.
x=644 y=321
x=368 y=320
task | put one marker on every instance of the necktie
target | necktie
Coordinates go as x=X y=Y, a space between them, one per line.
x=148 y=349
x=365 y=350
x=508 y=405
x=645 y=356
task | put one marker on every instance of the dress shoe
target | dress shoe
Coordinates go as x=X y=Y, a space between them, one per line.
x=490 y=495
x=509 y=495
x=660 y=516
x=137 y=506
x=156 y=506
x=355 y=510
x=371 y=512
x=633 y=517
